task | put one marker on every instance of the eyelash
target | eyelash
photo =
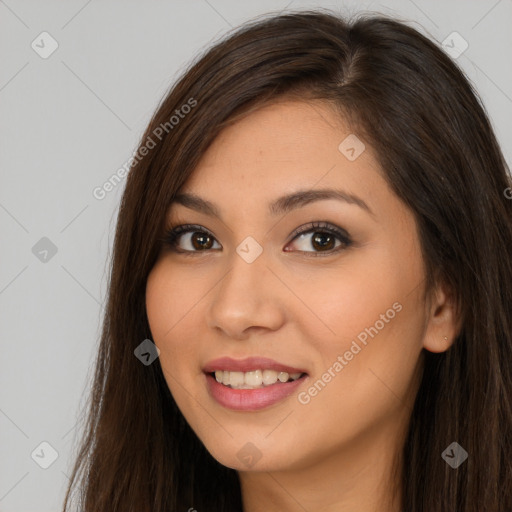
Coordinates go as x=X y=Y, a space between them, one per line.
x=171 y=236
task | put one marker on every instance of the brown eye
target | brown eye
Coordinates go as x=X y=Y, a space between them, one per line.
x=323 y=241
x=321 y=238
x=190 y=239
x=320 y=241
x=201 y=240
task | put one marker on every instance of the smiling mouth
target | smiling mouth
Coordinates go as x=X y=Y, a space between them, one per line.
x=256 y=379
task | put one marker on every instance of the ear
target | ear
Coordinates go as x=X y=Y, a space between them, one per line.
x=442 y=325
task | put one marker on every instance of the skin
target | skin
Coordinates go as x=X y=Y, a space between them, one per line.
x=335 y=452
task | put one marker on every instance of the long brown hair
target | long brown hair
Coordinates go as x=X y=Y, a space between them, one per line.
x=439 y=155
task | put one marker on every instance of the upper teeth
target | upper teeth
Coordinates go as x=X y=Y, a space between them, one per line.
x=253 y=379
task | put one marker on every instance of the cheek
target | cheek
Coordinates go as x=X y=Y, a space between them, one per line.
x=371 y=316
x=170 y=310
x=171 y=297
x=345 y=300
x=171 y=304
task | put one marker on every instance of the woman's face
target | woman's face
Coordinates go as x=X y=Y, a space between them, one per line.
x=341 y=302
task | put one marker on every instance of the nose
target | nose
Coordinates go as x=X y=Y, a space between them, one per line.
x=248 y=298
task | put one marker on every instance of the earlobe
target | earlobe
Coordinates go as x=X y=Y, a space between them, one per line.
x=442 y=322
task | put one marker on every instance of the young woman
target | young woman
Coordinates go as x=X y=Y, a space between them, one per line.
x=310 y=296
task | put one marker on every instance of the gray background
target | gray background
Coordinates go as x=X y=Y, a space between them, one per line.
x=70 y=121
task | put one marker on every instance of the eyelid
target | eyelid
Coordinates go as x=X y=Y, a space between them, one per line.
x=325 y=225
x=175 y=230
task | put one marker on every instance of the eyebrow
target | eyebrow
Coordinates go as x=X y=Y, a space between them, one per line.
x=282 y=205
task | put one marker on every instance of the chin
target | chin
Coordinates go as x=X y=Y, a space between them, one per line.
x=245 y=455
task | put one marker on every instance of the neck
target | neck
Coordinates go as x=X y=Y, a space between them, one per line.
x=361 y=476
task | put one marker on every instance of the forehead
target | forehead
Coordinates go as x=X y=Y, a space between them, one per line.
x=284 y=148
x=281 y=147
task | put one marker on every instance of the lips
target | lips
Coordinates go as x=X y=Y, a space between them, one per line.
x=251 y=399
x=249 y=364
x=247 y=400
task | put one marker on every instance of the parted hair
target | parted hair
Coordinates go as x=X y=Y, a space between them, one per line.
x=438 y=153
